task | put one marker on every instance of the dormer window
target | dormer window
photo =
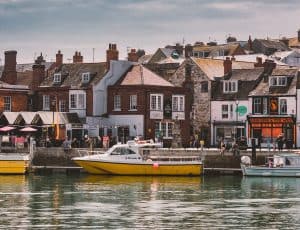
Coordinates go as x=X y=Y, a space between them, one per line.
x=85 y=78
x=230 y=86
x=277 y=81
x=57 y=78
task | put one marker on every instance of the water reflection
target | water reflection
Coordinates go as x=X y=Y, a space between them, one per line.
x=119 y=202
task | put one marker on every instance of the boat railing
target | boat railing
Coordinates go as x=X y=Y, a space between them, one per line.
x=176 y=158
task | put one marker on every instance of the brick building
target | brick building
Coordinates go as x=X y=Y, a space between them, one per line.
x=142 y=103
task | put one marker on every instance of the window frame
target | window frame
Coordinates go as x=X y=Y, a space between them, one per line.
x=283 y=106
x=57 y=78
x=178 y=103
x=230 y=86
x=7 y=104
x=133 y=102
x=257 y=105
x=165 y=128
x=46 y=102
x=117 y=102
x=85 y=77
x=225 y=111
x=77 y=101
x=278 y=81
x=156 y=102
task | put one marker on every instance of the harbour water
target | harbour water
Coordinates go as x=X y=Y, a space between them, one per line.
x=111 y=202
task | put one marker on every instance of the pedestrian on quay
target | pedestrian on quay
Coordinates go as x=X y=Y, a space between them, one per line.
x=222 y=148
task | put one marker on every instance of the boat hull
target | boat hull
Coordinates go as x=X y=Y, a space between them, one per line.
x=270 y=172
x=13 y=167
x=143 y=169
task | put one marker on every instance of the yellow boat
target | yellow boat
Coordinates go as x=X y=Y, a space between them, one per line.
x=133 y=159
x=12 y=163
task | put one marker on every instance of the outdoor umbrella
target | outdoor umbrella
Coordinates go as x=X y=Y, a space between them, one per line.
x=6 y=128
x=28 y=129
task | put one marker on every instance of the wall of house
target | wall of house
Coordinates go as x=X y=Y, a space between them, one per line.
x=56 y=94
x=298 y=119
x=216 y=108
x=200 y=101
x=19 y=100
x=117 y=69
x=128 y=120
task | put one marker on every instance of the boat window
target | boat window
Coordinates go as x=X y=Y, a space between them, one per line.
x=122 y=151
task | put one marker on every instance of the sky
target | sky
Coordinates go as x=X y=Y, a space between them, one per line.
x=34 y=26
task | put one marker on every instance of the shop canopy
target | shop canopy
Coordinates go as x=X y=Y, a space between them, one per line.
x=6 y=128
x=28 y=129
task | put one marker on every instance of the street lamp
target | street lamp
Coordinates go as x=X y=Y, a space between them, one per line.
x=236 y=118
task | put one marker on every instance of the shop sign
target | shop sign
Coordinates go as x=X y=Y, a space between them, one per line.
x=271 y=120
x=242 y=110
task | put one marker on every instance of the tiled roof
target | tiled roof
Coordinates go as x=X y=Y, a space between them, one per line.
x=144 y=59
x=294 y=42
x=278 y=45
x=214 y=50
x=247 y=80
x=72 y=74
x=263 y=87
x=140 y=75
x=214 y=68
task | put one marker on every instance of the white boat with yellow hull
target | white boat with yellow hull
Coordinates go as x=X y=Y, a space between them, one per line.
x=12 y=163
x=133 y=159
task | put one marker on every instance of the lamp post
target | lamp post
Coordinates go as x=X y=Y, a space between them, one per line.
x=236 y=119
x=53 y=104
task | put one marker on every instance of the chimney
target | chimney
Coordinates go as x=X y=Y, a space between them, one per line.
x=258 y=62
x=299 y=35
x=38 y=75
x=77 y=58
x=111 y=54
x=269 y=65
x=133 y=56
x=9 y=74
x=227 y=66
x=250 y=43
x=59 y=59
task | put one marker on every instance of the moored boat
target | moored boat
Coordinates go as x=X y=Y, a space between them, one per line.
x=13 y=163
x=279 y=165
x=134 y=158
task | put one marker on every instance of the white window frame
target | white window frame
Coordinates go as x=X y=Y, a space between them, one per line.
x=133 y=102
x=46 y=102
x=278 y=81
x=165 y=128
x=230 y=86
x=156 y=102
x=85 y=77
x=62 y=106
x=7 y=104
x=283 y=106
x=57 y=78
x=178 y=103
x=225 y=112
x=117 y=102
x=77 y=100
x=256 y=104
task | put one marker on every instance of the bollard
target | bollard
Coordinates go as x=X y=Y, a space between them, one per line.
x=253 y=146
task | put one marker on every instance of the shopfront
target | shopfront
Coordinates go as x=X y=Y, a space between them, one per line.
x=267 y=129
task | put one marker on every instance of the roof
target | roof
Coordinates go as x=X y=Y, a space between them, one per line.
x=294 y=42
x=72 y=74
x=4 y=85
x=59 y=118
x=273 y=44
x=247 y=80
x=214 y=67
x=253 y=58
x=263 y=88
x=140 y=75
x=171 y=60
x=145 y=58
x=10 y=116
x=229 y=49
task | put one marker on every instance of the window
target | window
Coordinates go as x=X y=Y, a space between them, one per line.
x=283 y=106
x=204 y=87
x=231 y=110
x=85 y=77
x=77 y=101
x=62 y=106
x=257 y=105
x=178 y=103
x=229 y=86
x=57 y=78
x=164 y=129
x=224 y=111
x=46 y=102
x=133 y=102
x=117 y=102
x=277 y=81
x=156 y=102
x=73 y=101
x=7 y=103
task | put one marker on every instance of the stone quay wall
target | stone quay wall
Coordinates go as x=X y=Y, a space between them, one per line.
x=212 y=158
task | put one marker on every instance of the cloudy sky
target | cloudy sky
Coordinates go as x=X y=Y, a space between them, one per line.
x=34 y=26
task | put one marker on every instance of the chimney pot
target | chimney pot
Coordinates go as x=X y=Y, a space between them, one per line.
x=227 y=66
x=59 y=59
